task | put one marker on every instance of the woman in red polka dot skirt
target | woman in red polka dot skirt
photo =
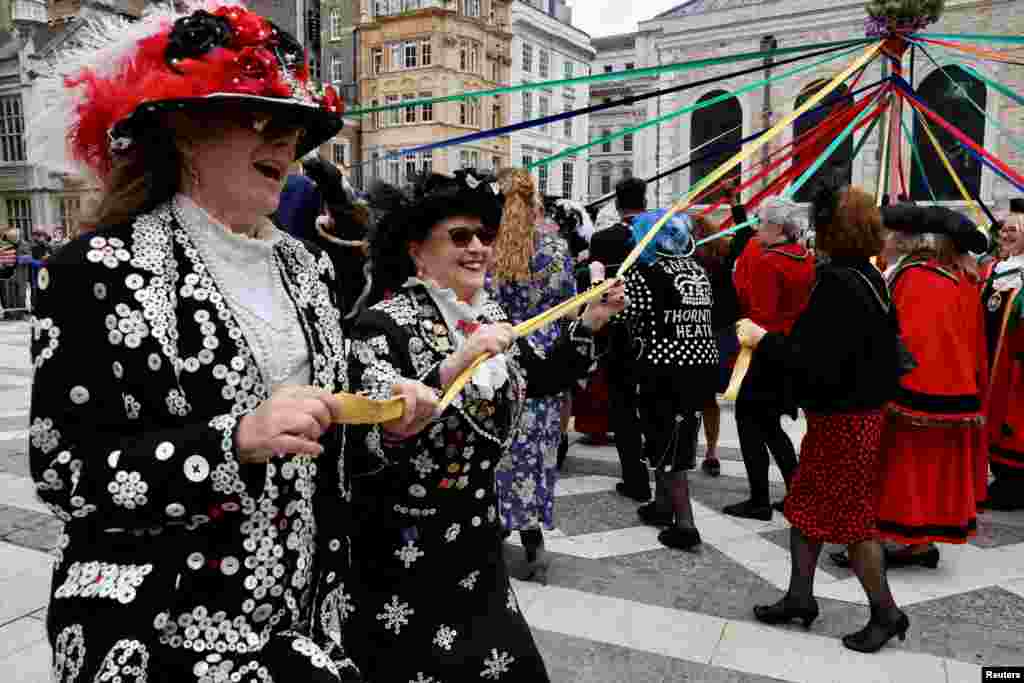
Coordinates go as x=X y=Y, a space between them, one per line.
x=841 y=365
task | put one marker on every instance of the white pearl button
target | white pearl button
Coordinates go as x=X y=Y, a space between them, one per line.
x=196 y=468
x=164 y=451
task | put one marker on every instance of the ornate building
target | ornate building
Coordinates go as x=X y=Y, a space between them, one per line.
x=413 y=49
x=546 y=46
x=699 y=29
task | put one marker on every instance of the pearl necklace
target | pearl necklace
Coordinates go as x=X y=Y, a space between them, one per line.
x=248 y=273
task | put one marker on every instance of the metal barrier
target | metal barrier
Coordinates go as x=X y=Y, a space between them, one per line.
x=12 y=297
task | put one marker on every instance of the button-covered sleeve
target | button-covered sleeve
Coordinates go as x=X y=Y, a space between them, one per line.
x=87 y=456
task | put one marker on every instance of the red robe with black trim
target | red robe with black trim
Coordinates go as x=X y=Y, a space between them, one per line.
x=934 y=465
x=1005 y=407
x=774 y=283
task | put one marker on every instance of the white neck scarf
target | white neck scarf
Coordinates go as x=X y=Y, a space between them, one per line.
x=493 y=374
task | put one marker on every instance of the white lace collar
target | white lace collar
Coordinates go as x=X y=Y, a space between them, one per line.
x=493 y=374
x=1008 y=274
x=258 y=246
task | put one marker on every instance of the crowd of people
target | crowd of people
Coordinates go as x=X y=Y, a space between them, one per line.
x=223 y=523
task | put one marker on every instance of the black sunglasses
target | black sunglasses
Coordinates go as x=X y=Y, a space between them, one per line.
x=462 y=235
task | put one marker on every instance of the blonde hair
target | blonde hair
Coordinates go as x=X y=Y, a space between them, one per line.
x=515 y=245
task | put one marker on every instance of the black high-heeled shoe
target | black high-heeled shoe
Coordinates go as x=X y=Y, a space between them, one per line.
x=784 y=611
x=877 y=633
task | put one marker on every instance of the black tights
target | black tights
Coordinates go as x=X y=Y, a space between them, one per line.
x=867 y=559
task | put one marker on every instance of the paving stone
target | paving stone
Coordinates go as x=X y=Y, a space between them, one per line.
x=14 y=458
x=592 y=512
x=992 y=534
x=576 y=660
x=42 y=537
x=780 y=537
x=992 y=607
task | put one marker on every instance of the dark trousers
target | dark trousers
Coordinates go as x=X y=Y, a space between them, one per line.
x=670 y=426
x=760 y=430
x=624 y=416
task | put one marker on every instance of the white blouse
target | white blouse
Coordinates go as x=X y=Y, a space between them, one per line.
x=248 y=274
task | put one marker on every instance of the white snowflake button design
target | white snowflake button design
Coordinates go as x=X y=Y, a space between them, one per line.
x=469 y=583
x=396 y=615
x=445 y=637
x=497 y=664
x=409 y=553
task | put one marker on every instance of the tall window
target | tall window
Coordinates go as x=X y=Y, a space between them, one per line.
x=334 y=19
x=19 y=215
x=542 y=179
x=543 y=102
x=608 y=68
x=496 y=70
x=474 y=58
x=469 y=113
x=339 y=153
x=527 y=106
x=606 y=184
x=568 y=168
x=627 y=142
x=426 y=162
x=394 y=170
x=426 y=110
x=544 y=63
x=425 y=53
x=410 y=112
x=397 y=57
x=606 y=146
x=377 y=60
x=950 y=101
x=496 y=120
x=336 y=69
x=721 y=122
x=463 y=55
x=12 y=125
x=527 y=160
x=527 y=57
x=839 y=164
x=377 y=117
x=375 y=168
x=567 y=68
x=70 y=214
x=411 y=55
x=394 y=115
x=496 y=163
x=471 y=8
x=410 y=168
x=567 y=123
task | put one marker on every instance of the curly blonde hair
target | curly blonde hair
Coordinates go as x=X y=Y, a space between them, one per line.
x=515 y=245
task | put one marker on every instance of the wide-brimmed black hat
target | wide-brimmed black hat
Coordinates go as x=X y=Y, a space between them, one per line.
x=938 y=220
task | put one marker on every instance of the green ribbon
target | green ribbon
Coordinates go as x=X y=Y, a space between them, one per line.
x=917 y=158
x=995 y=85
x=689 y=108
x=1009 y=136
x=614 y=76
x=973 y=37
x=864 y=137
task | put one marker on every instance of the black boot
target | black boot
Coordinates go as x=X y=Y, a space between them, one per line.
x=879 y=631
x=750 y=509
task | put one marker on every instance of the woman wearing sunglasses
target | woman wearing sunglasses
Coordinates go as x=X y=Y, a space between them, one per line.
x=430 y=584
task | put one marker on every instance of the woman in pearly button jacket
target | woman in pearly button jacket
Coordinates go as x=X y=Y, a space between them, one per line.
x=186 y=353
x=431 y=594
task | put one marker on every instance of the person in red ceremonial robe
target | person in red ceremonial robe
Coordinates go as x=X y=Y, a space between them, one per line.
x=773 y=278
x=933 y=447
x=1003 y=300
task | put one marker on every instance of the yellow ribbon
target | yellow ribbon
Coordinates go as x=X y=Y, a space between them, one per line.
x=949 y=169
x=366 y=412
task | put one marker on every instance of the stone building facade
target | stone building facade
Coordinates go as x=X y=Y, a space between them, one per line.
x=340 y=67
x=699 y=29
x=431 y=48
x=546 y=46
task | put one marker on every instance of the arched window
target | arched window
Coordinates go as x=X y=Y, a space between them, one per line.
x=839 y=164
x=950 y=101
x=721 y=122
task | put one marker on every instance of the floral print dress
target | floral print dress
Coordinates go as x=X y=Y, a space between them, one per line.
x=527 y=476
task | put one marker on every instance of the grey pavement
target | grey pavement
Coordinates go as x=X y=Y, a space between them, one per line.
x=618 y=607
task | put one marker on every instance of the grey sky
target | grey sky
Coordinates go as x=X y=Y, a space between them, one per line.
x=606 y=17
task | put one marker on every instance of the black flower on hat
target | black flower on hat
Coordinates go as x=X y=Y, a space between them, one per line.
x=195 y=35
